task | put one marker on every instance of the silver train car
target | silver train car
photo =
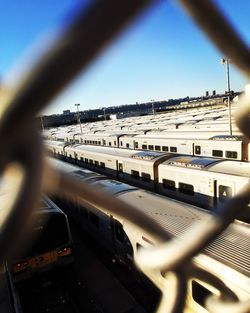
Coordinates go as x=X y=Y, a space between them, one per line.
x=226 y=258
x=205 y=144
x=205 y=182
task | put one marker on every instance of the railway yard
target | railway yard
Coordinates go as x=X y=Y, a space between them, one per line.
x=177 y=171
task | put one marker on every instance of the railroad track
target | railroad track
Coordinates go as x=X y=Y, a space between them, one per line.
x=55 y=291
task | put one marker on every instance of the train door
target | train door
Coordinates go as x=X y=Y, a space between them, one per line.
x=119 y=168
x=223 y=190
x=196 y=149
x=121 y=244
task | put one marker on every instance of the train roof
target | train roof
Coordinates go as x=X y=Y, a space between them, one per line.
x=177 y=217
x=87 y=175
x=56 y=143
x=231 y=168
x=113 y=187
x=103 y=182
x=148 y=155
x=103 y=150
x=227 y=137
x=81 y=173
x=190 y=161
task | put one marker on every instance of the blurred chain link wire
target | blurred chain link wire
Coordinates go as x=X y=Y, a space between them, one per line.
x=25 y=170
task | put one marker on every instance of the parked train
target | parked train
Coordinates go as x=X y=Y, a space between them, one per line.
x=201 y=181
x=218 y=146
x=51 y=246
x=226 y=257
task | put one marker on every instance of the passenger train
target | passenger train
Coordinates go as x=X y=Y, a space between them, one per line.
x=223 y=146
x=205 y=182
x=226 y=257
x=51 y=246
x=197 y=133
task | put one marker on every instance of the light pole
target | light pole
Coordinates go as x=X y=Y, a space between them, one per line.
x=153 y=106
x=227 y=61
x=104 y=113
x=41 y=117
x=78 y=116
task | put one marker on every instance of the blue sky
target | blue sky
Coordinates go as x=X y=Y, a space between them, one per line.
x=162 y=55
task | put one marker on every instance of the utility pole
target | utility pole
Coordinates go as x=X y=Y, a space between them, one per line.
x=41 y=118
x=153 y=106
x=78 y=116
x=227 y=61
x=104 y=113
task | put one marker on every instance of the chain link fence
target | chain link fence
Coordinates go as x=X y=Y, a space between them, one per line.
x=24 y=167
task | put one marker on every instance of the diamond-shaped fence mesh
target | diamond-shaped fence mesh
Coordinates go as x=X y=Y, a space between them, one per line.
x=23 y=164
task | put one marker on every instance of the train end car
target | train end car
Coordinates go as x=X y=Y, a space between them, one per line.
x=50 y=243
x=226 y=257
x=222 y=146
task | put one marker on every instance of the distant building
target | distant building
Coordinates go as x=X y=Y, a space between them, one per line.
x=214 y=92
x=207 y=93
x=66 y=112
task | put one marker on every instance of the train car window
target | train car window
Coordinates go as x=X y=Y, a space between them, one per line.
x=173 y=149
x=121 y=144
x=168 y=184
x=86 y=160
x=95 y=142
x=94 y=219
x=85 y=141
x=77 y=141
x=99 y=142
x=119 y=232
x=164 y=148
x=150 y=147
x=135 y=174
x=91 y=161
x=224 y=192
x=158 y=148
x=200 y=293
x=70 y=156
x=102 y=164
x=81 y=159
x=197 y=149
x=136 y=145
x=146 y=177
x=96 y=163
x=104 y=142
x=109 y=143
x=81 y=140
x=145 y=147
x=217 y=153
x=231 y=154
x=127 y=145
x=186 y=188
x=114 y=143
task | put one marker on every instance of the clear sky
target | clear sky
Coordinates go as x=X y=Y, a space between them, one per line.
x=162 y=55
